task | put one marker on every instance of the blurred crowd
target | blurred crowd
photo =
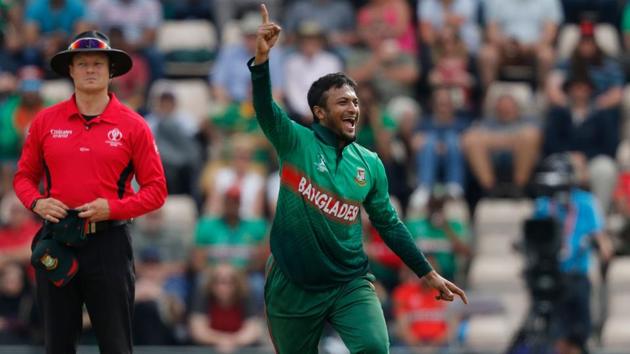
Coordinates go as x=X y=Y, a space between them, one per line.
x=461 y=99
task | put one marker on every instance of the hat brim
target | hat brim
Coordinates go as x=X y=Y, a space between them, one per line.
x=66 y=266
x=120 y=60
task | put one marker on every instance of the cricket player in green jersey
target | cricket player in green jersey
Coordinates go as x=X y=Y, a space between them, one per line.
x=318 y=271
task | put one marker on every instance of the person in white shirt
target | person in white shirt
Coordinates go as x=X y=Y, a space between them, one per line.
x=307 y=64
x=519 y=30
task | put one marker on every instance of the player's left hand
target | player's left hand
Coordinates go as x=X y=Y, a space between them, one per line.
x=94 y=211
x=447 y=289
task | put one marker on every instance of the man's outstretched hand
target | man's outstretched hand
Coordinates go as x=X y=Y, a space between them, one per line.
x=266 y=37
x=447 y=289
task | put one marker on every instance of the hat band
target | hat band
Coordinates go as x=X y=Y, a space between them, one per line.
x=88 y=43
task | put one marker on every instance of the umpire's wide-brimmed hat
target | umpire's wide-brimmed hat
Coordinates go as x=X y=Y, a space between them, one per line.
x=91 y=41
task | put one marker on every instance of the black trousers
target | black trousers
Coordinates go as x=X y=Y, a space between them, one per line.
x=105 y=283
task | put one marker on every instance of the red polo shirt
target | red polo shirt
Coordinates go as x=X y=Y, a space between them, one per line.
x=80 y=161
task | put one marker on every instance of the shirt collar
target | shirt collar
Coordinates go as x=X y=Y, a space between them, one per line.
x=109 y=115
x=326 y=135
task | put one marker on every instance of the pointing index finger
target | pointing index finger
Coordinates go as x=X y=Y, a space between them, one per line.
x=264 y=13
x=460 y=293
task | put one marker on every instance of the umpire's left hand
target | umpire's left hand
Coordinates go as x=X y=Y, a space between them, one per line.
x=96 y=210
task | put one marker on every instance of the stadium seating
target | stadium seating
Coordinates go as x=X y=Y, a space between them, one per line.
x=57 y=90
x=193 y=95
x=615 y=334
x=487 y=333
x=619 y=275
x=181 y=210
x=188 y=46
x=616 y=330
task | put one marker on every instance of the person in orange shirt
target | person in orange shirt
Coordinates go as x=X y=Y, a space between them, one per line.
x=419 y=319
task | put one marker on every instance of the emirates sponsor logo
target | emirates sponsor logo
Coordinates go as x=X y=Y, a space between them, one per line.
x=331 y=205
x=60 y=133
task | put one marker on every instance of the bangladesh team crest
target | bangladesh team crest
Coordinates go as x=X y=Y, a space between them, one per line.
x=360 y=177
x=49 y=261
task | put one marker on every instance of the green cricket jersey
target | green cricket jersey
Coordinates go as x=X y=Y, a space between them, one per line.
x=316 y=236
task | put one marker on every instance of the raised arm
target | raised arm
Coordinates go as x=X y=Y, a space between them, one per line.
x=274 y=122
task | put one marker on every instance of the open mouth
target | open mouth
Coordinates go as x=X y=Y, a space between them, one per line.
x=349 y=123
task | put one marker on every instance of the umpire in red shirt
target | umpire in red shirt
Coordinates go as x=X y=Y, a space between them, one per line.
x=86 y=150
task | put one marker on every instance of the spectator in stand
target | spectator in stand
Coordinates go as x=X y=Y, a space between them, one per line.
x=388 y=131
x=17 y=231
x=503 y=148
x=227 y=10
x=237 y=169
x=162 y=283
x=460 y=15
x=229 y=237
x=223 y=315
x=156 y=310
x=49 y=25
x=384 y=263
x=519 y=32
x=179 y=153
x=439 y=149
x=589 y=59
x=28 y=102
x=376 y=127
x=132 y=87
x=587 y=133
x=382 y=61
x=139 y=21
x=336 y=17
x=8 y=134
x=16 y=114
x=450 y=68
x=607 y=80
x=235 y=240
x=12 y=38
x=445 y=239
x=152 y=234
x=166 y=108
x=418 y=318
x=405 y=112
x=625 y=32
x=392 y=19
x=311 y=61
x=622 y=199
x=16 y=306
x=231 y=84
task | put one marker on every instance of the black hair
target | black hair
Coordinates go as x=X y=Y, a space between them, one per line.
x=317 y=93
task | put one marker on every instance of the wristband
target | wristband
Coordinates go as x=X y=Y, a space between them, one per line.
x=34 y=203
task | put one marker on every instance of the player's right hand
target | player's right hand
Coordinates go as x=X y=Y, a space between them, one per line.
x=51 y=209
x=447 y=289
x=266 y=37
